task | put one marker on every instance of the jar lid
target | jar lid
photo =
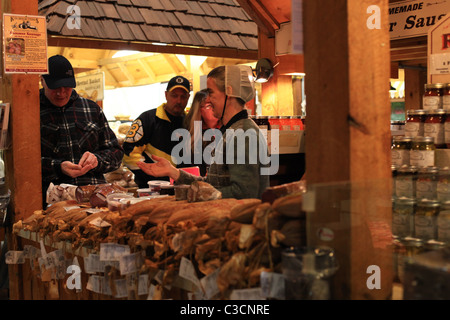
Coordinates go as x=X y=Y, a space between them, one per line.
x=407 y=168
x=416 y=112
x=429 y=169
x=423 y=139
x=405 y=200
x=436 y=111
x=434 y=85
x=429 y=203
x=413 y=242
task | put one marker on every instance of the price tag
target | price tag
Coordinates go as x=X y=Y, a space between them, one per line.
x=247 y=294
x=130 y=263
x=113 y=251
x=272 y=285
x=143 y=284
x=121 y=288
x=209 y=283
x=15 y=257
x=187 y=271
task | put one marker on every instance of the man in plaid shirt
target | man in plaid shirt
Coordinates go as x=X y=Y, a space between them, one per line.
x=77 y=144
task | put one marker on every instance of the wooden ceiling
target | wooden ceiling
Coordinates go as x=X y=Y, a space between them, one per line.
x=172 y=37
x=140 y=68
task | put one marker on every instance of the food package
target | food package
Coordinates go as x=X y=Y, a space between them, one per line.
x=56 y=193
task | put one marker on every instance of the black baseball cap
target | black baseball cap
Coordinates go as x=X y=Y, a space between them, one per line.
x=60 y=73
x=179 y=82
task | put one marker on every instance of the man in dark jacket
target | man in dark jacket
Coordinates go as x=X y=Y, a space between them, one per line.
x=77 y=144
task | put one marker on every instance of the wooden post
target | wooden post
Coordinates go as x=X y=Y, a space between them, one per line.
x=23 y=158
x=347 y=66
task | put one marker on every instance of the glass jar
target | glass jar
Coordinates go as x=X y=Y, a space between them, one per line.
x=446 y=97
x=405 y=183
x=274 y=122
x=426 y=184
x=443 y=184
x=443 y=223
x=425 y=220
x=432 y=97
x=412 y=247
x=415 y=120
x=296 y=123
x=422 y=152
x=447 y=129
x=285 y=124
x=394 y=170
x=434 y=126
x=400 y=150
x=403 y=217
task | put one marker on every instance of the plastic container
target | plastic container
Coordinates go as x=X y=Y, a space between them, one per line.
x=145 y=192
x=113 y=200
x=155 y=185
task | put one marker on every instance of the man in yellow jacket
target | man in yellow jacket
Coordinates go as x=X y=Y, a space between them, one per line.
x=150 y=134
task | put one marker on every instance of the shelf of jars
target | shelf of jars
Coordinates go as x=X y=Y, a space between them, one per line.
x=420 y=155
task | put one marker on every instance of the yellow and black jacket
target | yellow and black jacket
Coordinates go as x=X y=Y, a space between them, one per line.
x=150 y=134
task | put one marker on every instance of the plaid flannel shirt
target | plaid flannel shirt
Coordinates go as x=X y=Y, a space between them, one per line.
x=69 y=131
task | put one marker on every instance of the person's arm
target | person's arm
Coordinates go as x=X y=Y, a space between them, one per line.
x=110 y=153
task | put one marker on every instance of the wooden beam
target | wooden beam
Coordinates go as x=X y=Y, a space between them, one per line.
x=147 y=47
x=348 y=141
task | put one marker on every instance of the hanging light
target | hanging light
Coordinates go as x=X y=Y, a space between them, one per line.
x=263 y=71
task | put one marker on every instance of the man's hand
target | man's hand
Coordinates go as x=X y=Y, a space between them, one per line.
x=161 y=168
x=87 y=162
x=88 y=159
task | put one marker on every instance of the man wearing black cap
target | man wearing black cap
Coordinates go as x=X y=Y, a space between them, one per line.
x=77 y=144
x=151 y=132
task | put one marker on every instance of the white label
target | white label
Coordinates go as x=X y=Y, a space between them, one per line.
x=443 y=224
x=435 y=130
x=400 y=156
x=113 y=251
x=404 y=187
x=431 y=102
x=401 y=224
x=446 y=102
x=413 y=129
x=422 y=158
x=426 y=189
x=443 y=190
x=425 y=227
x=447 y=132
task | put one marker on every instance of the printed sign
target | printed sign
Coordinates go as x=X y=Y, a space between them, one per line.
x=91 y=86
x=24 y=44
x=414 y=18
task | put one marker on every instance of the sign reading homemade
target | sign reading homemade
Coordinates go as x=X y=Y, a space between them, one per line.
x=413 y=18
